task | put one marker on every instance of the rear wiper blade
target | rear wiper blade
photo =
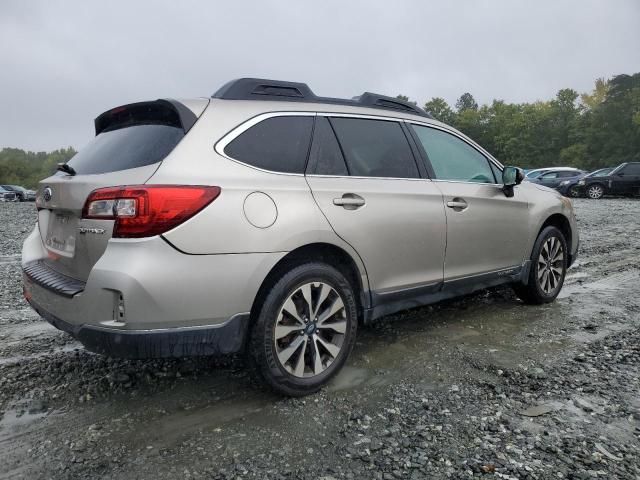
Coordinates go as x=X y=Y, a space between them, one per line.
x=63 y=167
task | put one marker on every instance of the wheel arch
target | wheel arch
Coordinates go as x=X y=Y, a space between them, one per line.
x=322 y=252
x=562 y=223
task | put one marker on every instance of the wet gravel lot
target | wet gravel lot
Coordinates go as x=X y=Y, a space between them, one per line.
x=479 y=387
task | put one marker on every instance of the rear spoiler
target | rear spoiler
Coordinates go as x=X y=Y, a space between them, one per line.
x=157 y=112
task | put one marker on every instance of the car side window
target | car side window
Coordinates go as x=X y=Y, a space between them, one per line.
x=632 y=169
x=567 y=173
x=375 y=148
x=549 y=176
x=453 y=159
x=496 y=172
x=325 y=157
x=279 y=144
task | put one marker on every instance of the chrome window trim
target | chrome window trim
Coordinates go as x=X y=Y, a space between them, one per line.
x=226 y=139
x=315 y=175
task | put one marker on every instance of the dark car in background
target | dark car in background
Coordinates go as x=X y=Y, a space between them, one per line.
x=7 y=195
x=569 y=188
x=553 y=178
x=622 y=180
x=530 y=175
x=22 y=193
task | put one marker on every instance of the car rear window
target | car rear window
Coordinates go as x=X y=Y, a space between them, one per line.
x=124 y=148
x=278 y=144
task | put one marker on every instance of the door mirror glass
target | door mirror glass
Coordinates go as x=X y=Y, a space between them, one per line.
x=512 y=176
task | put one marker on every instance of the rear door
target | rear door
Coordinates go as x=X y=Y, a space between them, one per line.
x=131 y=142
x=486 y=230
x=366 y=181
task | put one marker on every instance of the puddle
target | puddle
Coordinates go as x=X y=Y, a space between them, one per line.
x=349 y=377
x=18 y=420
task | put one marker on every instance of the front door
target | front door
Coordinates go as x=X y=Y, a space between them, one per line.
x=626 y=180
x=486 y=230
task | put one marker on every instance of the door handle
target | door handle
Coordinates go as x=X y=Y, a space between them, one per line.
x=349 y=201
x=458 y=204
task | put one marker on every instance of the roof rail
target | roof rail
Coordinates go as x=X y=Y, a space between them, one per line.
x=276 y=90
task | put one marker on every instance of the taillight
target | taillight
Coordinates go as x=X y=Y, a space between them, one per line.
x=147 y=210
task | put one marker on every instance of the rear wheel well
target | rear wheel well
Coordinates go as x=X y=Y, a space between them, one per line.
x=319 y=252
x=561 y=223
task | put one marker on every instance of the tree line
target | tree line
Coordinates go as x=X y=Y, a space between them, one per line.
x=590 y=130
x=19 y=167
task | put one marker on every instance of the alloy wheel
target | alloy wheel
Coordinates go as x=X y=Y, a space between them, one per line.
x=310 y=329
x=595 y=192
x=550 y=265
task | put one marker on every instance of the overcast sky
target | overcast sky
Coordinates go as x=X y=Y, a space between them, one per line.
x=64 y=62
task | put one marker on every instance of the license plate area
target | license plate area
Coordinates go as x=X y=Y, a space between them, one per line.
x=61 y=234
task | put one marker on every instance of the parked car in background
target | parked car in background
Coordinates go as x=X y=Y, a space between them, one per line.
x=553 y=178
x=22 y=193
x=270 y=219
x=622 y=180
x=569 y=188
x=7 y=195
x=531 y=174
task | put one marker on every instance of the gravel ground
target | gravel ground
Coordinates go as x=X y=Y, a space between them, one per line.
x=481 y=386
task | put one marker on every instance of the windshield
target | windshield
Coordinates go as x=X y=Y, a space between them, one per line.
x=535 y=173
x=600 y=173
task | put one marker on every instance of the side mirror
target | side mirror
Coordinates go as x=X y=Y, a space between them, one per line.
x=511 y=176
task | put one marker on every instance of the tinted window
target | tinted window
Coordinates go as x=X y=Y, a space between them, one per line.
x=568 y=173
x=453 y=159
x=326 y=157
x=130 y=147
x=549 y=176
x=535 y=174
x=375 y=148
x=279 y=144
x=633 y=169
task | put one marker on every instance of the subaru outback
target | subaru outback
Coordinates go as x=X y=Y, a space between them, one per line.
x=272 y=221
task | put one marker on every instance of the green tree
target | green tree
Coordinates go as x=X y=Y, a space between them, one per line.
x=440 y=110
x=19 y=167
x=466 y=102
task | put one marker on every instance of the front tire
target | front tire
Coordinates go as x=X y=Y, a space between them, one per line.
x=548 y=268
x=305 y=329
x=574 y=192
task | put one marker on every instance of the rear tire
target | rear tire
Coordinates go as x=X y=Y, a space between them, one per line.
x=574 y=192
x=548 y=268
x=305 y=329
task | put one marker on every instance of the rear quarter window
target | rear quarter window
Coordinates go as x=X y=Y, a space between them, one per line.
x=278 y=144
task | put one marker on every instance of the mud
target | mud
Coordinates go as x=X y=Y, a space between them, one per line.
x=480 y=386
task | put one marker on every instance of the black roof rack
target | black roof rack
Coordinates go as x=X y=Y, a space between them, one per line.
x=262 y=89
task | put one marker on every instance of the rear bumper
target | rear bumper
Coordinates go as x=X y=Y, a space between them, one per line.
x=144 y=298
x=225 y=338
